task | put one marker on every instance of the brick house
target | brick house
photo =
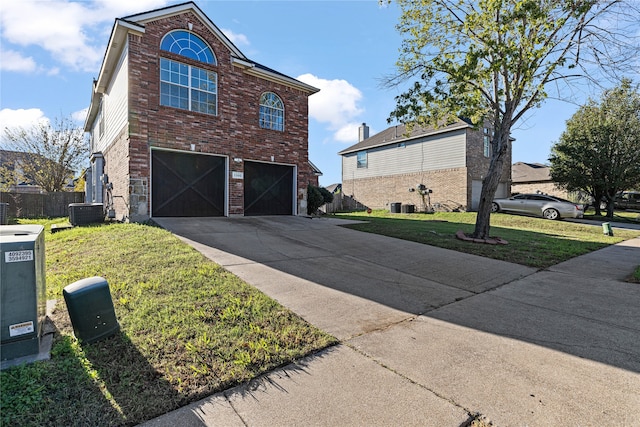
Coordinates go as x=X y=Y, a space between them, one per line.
x=450 y=161
x=535 y=178
x=181 y=123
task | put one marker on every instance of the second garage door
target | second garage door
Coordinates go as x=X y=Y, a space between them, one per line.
x=187 y=184
x=268 y=189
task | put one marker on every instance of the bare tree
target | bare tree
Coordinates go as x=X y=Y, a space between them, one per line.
x=497 y=59
x=46 y=153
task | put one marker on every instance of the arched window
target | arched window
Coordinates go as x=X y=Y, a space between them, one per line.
x=185 y=86
x=271 y=112
x=187 y=44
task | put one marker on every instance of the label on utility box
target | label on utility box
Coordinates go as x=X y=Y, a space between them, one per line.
x=18 y=256
x=21 y=329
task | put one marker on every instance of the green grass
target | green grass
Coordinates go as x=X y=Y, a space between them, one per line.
x=533 y=242
x=189 y=329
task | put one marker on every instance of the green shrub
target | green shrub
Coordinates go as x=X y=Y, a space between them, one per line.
x=316 y=197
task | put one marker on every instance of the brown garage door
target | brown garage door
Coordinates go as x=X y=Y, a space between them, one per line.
x=268 y=189
x=186 y=184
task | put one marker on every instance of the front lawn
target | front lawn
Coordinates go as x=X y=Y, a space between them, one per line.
x=188 y=329
x=533 y=242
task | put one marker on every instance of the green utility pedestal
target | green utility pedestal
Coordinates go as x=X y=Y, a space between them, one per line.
x=23 y=294
x=91 y=309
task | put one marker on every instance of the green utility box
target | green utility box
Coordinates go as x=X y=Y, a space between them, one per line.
x=91 y=309
x=23 y=301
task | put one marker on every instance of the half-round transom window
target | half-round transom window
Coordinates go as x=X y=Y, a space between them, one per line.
x=188 y=44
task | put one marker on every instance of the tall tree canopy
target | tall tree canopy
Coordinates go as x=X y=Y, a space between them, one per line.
x=599 y=152
x=55 y=150
x=496 y=59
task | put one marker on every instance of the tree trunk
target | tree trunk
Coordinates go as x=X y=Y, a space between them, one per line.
x=489 y=186
x=492 y=179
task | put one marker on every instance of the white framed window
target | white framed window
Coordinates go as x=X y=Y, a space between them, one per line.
x=361 y=159
x=100 y=120
x=184 y=43
x=486 y=148
x=486 y=142
x=188 y=87
x=271 y=112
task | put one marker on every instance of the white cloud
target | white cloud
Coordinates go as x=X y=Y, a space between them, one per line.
x=21 y=118
x=54 y=26
x=11 y=60
x=80 y=116
x=335 y=105
x=121 y=8
x=236 y=39
x=348 y=133
x=72 y=32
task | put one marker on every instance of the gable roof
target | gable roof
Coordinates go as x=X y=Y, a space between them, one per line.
x=314 y=169
x=334 y=188
x=529 y=172
x=396 y=134
x=165 y=12
x=136 y=24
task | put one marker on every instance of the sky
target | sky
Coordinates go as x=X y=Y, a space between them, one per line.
x=51 y=50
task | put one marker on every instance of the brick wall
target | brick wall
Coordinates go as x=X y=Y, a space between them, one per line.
x=234 y=132
x=544 y=187
x=449 y=189
x=116 y=166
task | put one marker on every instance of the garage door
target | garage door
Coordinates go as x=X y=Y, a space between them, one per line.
x=268 y=189
x=476 y=189
x=187 y=184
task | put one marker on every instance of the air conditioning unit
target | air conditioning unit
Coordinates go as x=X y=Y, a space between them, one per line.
x=22 y=290
x=86 y=213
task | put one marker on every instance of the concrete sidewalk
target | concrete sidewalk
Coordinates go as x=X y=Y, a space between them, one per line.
x=429 y=336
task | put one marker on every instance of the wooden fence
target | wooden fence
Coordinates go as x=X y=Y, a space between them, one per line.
x=342 y=203
x=33 y=205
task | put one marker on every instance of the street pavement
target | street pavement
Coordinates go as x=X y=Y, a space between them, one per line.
x=428 y=336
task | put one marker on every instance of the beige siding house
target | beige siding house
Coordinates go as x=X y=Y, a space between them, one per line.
x=392 y=167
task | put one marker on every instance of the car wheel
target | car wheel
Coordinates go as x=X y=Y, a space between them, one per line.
x=495 y=207
x=550 y=214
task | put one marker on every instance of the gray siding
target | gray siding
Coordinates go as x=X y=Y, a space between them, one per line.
x=428 y=154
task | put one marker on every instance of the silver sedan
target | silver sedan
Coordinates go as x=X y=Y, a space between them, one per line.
x=543 y=205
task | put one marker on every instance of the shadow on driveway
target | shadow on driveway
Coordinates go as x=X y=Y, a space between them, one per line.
x=350 y=283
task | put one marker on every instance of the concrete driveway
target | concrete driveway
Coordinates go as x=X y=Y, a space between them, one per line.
x=428 y=336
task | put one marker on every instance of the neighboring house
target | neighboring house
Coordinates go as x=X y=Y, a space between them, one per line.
x=184 y=124
x=13 y=177
x=534 y=178
x=334 y=188
x=450 y=161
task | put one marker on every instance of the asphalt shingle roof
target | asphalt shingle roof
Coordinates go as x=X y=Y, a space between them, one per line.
x=396 y=134
x=529 y=172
